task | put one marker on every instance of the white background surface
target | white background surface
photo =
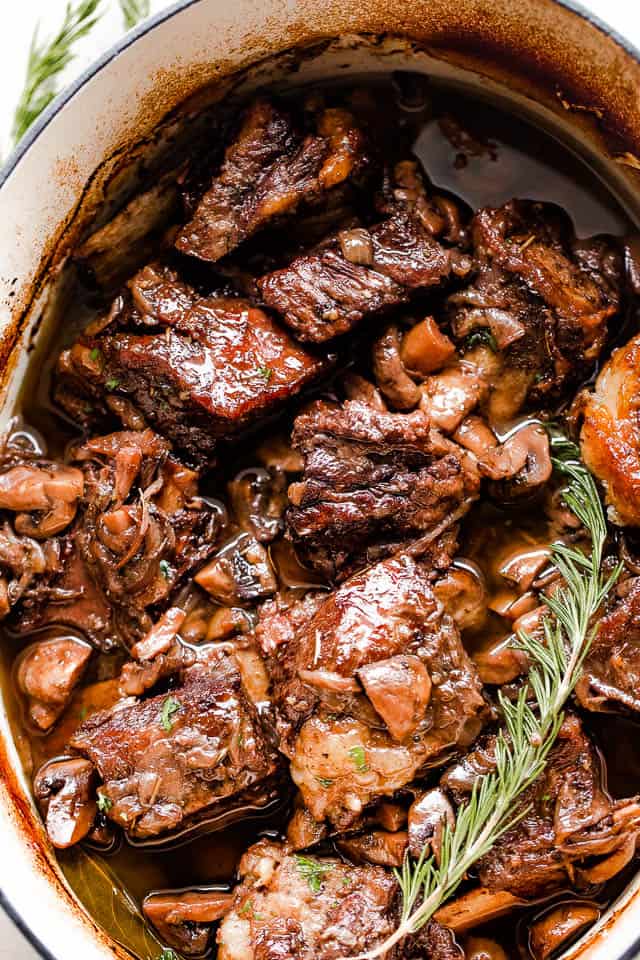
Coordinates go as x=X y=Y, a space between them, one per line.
x=17 y=21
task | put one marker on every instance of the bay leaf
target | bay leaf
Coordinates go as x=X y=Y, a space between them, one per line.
x=110 y=904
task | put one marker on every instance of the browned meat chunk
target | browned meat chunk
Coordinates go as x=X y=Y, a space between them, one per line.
x=543 y=298
x=323 y=294
x=572 y=832
x=217 y=367
x=610 y=438
x=611 y=675
x=140 y=531
x=176 y=759
x=292 y=907
x=381 y=640
x=267 y=171
x=48 y=672
x=373 y=482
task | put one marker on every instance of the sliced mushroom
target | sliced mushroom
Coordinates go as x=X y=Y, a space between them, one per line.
x=612 y=864
x=476 y=435
x=391 y=376
x=428 y=816
x=136 y=677
x=259 y=499
x=522 y=462
x=523 y=566
x=475 y=907
x=379 y=847
x=25 y=488
x=501 y=662
x=328 y=680
x=481 y=948
x=183 y=918
x=65 y=789
x=554 y=928
x=47 y=674
x=161 y=636
x=44 y=498
x=239 y=574
x=463 y=594
x=449 y=396
x=425 y=348
x=399 y=689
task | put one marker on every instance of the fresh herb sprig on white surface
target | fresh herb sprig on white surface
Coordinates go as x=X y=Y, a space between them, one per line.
x=48 y=58
x=529 y=732
x=133 y=11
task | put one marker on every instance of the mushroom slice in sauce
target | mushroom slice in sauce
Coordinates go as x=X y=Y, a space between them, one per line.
x=428 y=815
x=399 y=689
x=183 y=918
x=65 y=789
x=48 y=672
x=554 y=928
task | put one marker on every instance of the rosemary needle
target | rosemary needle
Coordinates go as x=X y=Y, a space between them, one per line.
x=47 y=60
x=133 y=11
x=529 y=733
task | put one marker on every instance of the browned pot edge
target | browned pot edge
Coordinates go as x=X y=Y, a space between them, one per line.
x=545 y=51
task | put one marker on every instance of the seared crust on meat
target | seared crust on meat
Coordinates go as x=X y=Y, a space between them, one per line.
x=610 y=437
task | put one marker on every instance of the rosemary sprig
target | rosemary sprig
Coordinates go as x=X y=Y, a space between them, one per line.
x=529 y=732
x=47 y=60
x=133 y=11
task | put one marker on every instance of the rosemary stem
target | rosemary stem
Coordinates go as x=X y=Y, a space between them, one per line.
x=523 y=746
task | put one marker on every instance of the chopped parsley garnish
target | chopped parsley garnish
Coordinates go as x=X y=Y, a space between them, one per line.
x=359 y=758
x=481 y=337
x=169 y=707
x=313 y=871
x=112 y=383
x=265 y=372
x=168 y=954
x=324 y=782
x=104 y=803
x=95 y=354
x=165 y=569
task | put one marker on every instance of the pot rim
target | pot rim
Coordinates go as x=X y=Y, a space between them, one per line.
x=41 y=124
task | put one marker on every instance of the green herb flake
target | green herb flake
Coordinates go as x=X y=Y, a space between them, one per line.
x=165 y=569
x=359 y=759
x=313 y=871
x=82 y=714
x=168 y=954
x=169 y=707
x=112 y=383
x=266 y=373
x=483 y=338
x=95 y=354
x=325 y=782
x=104 y=803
